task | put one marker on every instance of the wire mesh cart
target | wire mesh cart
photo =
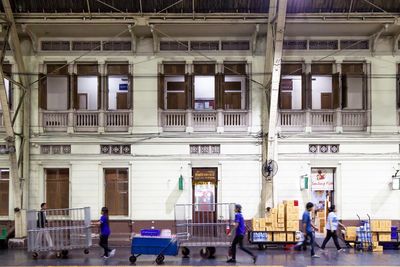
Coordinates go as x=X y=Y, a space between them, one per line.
x=204 y=225
x=159 y=246
x=59 y=230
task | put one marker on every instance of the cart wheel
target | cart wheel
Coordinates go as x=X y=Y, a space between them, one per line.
x=160 y=259
x=35 y=255
x=86 y=251
x=205 y=253
x=212 y=251
x=262 y=246
x=132 y=259
x=64 y=253
x=185 y=251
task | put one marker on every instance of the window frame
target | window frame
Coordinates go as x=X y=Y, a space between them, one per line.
x=128 y=197
x=45 y=170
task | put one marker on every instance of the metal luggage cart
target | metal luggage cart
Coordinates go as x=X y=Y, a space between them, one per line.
x=59 y=230
x=364 y=235
x=148 y=245
x=204 y=225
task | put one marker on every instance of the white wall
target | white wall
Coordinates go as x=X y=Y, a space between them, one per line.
x=89 y=86
x=113 y=89
x=57 y=93
x=296 y=92
x=354 y=93
x=320 y=84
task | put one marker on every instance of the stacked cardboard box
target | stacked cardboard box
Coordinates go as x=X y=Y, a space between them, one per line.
x=292 y=215
x=376 y=247
x=351 y=233
x=381 y=225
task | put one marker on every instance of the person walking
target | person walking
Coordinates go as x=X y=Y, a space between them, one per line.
x=105 y=233
x=308 y=230
x=42 y=224
x=240 y=230
x=331 y=229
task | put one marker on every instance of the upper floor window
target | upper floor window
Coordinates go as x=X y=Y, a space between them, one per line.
x=54 y=93
x=291 y=91
x=87 y=91
x=204 y=88
x=353 y=86
x=322 y=86
x=7 y=84
x=4 y=191
x=119 y=84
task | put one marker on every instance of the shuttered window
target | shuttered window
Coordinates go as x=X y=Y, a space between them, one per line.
x=117 y=191
x=291 y=87
x=4 y=191
x=235 y=45
x=235 y=86
x=57 y=188
x=295 y=44
x=56 y=95
x=353 y=86
x=324 y=87
x=119 y=87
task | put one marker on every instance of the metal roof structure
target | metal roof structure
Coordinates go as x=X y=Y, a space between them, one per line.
x=201 y=6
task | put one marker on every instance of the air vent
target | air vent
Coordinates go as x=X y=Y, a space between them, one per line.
x=354 y=44
x=86 y=45
x=117 y=46
x=55 y=45
x=323 y=44
x=204 y=45
x=295 y=44
x=235 y=45
x=174 y=46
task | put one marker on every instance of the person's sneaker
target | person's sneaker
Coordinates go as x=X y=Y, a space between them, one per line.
x=106 y=257
x=112 y=253
x=231 y=261
x=341 y=250
x=315 y=256
x=254 y=259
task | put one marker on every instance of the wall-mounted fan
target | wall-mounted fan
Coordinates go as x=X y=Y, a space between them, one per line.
x=269 y=168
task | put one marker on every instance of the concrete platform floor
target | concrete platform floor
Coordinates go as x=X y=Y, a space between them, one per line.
x=269 y=257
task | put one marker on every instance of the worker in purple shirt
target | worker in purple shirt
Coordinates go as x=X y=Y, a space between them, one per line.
x=240 y=230
x=105 y=233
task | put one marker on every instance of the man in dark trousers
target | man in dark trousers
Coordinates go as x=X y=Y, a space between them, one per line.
x=308 y=229
x=43 y=224
x=240 y=231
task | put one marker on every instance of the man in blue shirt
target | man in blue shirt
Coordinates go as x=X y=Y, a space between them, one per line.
x=105 y=233
x=240 y=231
x=308 y=229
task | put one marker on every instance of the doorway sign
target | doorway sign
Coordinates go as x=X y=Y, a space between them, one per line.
x=321 y=180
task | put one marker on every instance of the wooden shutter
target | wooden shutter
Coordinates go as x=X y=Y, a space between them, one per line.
x=235 y=68
x=344 y=91
x=4 y=193
x=365 y=92
x=304 y=91
x=161 y=90
x=99 y=92
x=88 y=69
x=219 y=91
x=116 y=191
x=57 y=69
x=42 y=91
x=117 y=69
x=247 y=93
x=353 y=68
x=174 y=69
x=232 y=95
x=57 y=188
x=321 y=69
x=398 y=89
x=291 y=69
x=130 y=91
x=336 y=90
x=75 y=103
x=204 y=69
x=189 y=91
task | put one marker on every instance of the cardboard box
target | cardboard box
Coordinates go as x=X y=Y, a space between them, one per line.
x=290 y=237
x=378 y=249
x=375 y=225
x=385 y=225
x=384 y=237
x=374 y=237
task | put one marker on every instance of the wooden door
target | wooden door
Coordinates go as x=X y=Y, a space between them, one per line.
x=57 y=188
x=83 y=101
x=286 y=100
x=4 y=192
x=117 y=191
x=326 y=100
x=122 y=100
x=204 y=200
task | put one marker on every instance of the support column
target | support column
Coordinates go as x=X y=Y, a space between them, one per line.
x=273 y=58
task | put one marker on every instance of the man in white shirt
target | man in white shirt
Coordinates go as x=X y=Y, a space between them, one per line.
x=331 y=229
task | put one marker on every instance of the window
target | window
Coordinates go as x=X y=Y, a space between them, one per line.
x=117 y=46
x=204 y=86
x=57 y=188
x=204 y=45
x=295 y=44
x=4 y=191
x=322 y=86
x=291 y=92
x=174 y=46
x=55 y=45
x=354 y=44
x=119 y=87
x=87 y=95
x=323 y=44
x=57 y=87
x=353 y=84
x=86 y=45
x=235 y=45
x=175 y=89
x=116 y=191
x=7 y=84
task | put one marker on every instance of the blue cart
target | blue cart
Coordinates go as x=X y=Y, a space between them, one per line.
x=148 y=245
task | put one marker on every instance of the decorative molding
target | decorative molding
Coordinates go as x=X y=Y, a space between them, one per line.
x=205 y=149
x=323 y=148
x=55 y=149
x=115 y=149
